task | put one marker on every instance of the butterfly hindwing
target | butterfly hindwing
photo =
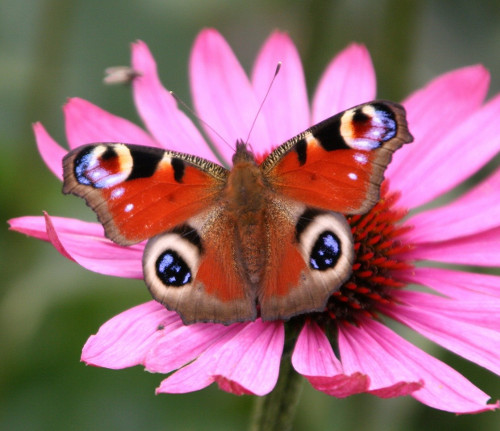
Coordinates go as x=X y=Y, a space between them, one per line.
x=314 y=253
x=339 y=163
x=137 y=191
x=194 y=270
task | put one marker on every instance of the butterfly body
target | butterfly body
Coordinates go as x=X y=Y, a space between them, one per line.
x=264 y=239
x=246 y=197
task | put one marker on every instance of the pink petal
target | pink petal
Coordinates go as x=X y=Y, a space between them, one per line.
x=125 y=340
x=387 y=377
x=52 y=153
x=452 y=158
x=246 y=361
x=483 y=311
x=348 y=81
x=185 y=344
x=85 y=244
x=476 y=211
x=313 y=357
x=313 y=354
x=196 y=375
x=158 y=108
x=223 y=96
x=455 y=284
x=286 y=109
x=87 y=123
x=432 y=112
x=36 y=227
x=390 y=362
x=480 y=249
x=97 y=253
x=469 y=337
x=31 y=225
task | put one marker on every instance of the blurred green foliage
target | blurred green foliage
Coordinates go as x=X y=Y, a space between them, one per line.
x=54 y=49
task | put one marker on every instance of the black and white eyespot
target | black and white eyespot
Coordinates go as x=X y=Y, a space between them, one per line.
x=171 y=260
x=326 y=244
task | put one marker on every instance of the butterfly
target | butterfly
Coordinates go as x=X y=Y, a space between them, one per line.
x=265 y=239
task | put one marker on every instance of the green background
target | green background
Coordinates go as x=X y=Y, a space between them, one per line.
x=54 y=49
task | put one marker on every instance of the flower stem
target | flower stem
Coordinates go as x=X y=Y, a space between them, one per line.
x=276 y=410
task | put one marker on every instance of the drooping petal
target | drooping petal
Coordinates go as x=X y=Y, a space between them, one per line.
x=95 y=252
x=158 y=108
x=185 y=344
x=84 y=243
x=286 y=109
x=480 y=249
x=196 y=375
x=475 y=212
x=470 y=337
x=432 y=113
x=232 y=362
x=313 y=354
x=387 y=377
x=125 y=340
x=313 y=357
x=390 y=361
x=52 y=153
x=455 y=284
x=54 y=239
x=86 y=123
x=348 y=81
x=453 y=158
x=223 y=96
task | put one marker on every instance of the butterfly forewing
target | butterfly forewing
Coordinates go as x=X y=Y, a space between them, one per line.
x=339 y=164
x=138 y=192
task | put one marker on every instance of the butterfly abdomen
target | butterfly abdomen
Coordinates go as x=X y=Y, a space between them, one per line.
x=245 y=197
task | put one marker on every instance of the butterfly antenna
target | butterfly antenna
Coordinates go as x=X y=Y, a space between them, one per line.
x=191 y=111
x=278 y=67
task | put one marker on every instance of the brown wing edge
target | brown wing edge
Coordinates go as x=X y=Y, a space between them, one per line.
x=383 y=155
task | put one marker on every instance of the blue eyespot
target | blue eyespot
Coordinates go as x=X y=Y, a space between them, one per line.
x=385 y=122
x=172 y=270
x=325 y=252
x=82 y=164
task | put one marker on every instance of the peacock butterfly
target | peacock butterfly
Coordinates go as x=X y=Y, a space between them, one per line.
x=264 y=239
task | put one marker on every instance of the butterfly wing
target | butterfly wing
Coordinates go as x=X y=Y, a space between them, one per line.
x=339 y=163
x=194 y=270
x=139 y=192
x=174 y=200
x=310 y=255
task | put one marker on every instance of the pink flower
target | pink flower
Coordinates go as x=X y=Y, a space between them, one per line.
x=455 y=132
